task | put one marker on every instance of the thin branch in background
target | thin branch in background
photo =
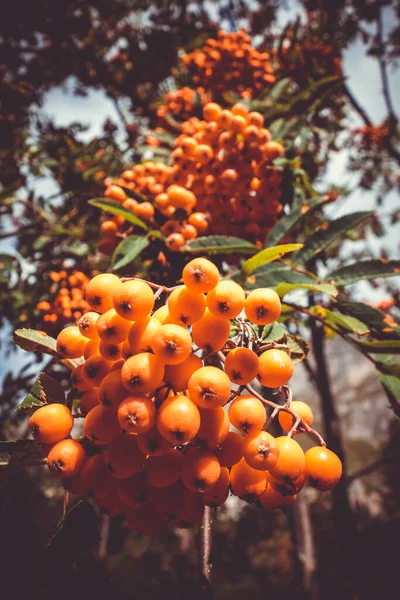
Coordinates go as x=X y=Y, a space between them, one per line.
x=205 y=554
x=370 y=468
x=104 y=535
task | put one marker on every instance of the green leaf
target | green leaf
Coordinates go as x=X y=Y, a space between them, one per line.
x=128 y=250
x=363 y=270
x=220 y=244
x=332 y=231
x=156 y=234
x=299 y=348
x=35 y=398
x=114 y=208
x=324 y=288
x=33 y=340
x=374 y=318
x=20 y=453
x=52 y=389
x=273 y=332
x=300 y=210
x=388 y=364
x=380 y=346
x=268 y=255
x=273 y=274
x=391 y=386
x=341 y=321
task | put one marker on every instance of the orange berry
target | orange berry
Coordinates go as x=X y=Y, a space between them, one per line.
x=256 y=119
x=199 y=221
x=200 y=470
x=247 y=483
x=219 y=493
x=225 y=119
x=276 y=368
x=109 y=351
x=214 y=427
x=172 y=344
x=226 y=300
x=178 y=419
x=262 y=306
x=146 y=520
x=162 y=314
x=260 y=450
x=189 y=232
x=101 y=426
x=137 y=414
x=273 y=150
x=71 y=343
x=323 y=468
x=144 y=210
x=87 y=325
x=192 y=508
x=231 y=450
x=51 y=423
x=238 y=124
x=211 y=333
x=272 y=498
x=89 y=400
x=286 y=421
x=133 y=300
x=247 y=414
x=185 y=305
x=240 y=109
x=142 y=373
x=108 y=228
x=152 y=443
x=169 y=501
x=163 y=471
x=95 y=369
x=92 y=348
x=100 y=290
x=78 y=380
x=175 y=241
x=123 y=457
x=141 y=333
x=291 y=462
x=112 y=391
x=134 y=491
x=200 y=275
x=211 y=111
x=177 y=376
x=180 y=197
x=114 y=192
x=209 y=387
x=66 y=458
x=287 y=487
x=203 y=154
x=241 y=365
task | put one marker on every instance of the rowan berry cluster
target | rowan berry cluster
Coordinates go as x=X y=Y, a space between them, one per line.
x=181 y=104
x=371 y=136
x=171 y=420
x=222 y=181
x=67 y=299
x=230 y=63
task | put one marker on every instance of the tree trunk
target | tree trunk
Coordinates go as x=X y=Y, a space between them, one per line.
x=305 y=546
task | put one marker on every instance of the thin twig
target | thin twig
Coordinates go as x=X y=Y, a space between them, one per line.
x=205 y=553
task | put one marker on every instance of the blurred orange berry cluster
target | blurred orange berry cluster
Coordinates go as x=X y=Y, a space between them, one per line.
x=182 y=103
x=371 y=136
x=68 y=299
x=222 y=180
x=230 y=63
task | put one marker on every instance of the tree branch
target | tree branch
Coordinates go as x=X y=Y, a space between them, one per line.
x=205 y=554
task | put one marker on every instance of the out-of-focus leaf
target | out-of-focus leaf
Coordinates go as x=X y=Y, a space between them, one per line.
x=329 y=233
x=391 y=385
x=266 y=256
x=33 y=340
x=299 y=348
x=340 y=321
x=128 y=250
x=114 y=208
x=273 y=332
x=374 y=318
x=388 y=364
x=324 y=288
x=364 y=269
x=380 y=346
x=221 y=244
x=273 y=274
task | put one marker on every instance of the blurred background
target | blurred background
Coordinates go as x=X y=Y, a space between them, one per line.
x=83 y=79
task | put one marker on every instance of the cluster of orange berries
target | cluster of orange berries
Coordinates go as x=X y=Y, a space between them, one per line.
x=222 y=180
x=371 y=135
x=165 y=431
x=181 y=104
x=68 y=299
x=230 y=63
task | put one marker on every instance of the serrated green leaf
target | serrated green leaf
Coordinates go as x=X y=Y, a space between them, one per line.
x=329 y=233
x=324 y=288
x=128 y=250
x=20 y=453
x=273 y=332
x=35 y=398
x=391 y=385
x=33 y=340
x=112 y=207
x=220 y=244
x=364 y=270
x=266 y=256
x=374 y=318
x=299 y=348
